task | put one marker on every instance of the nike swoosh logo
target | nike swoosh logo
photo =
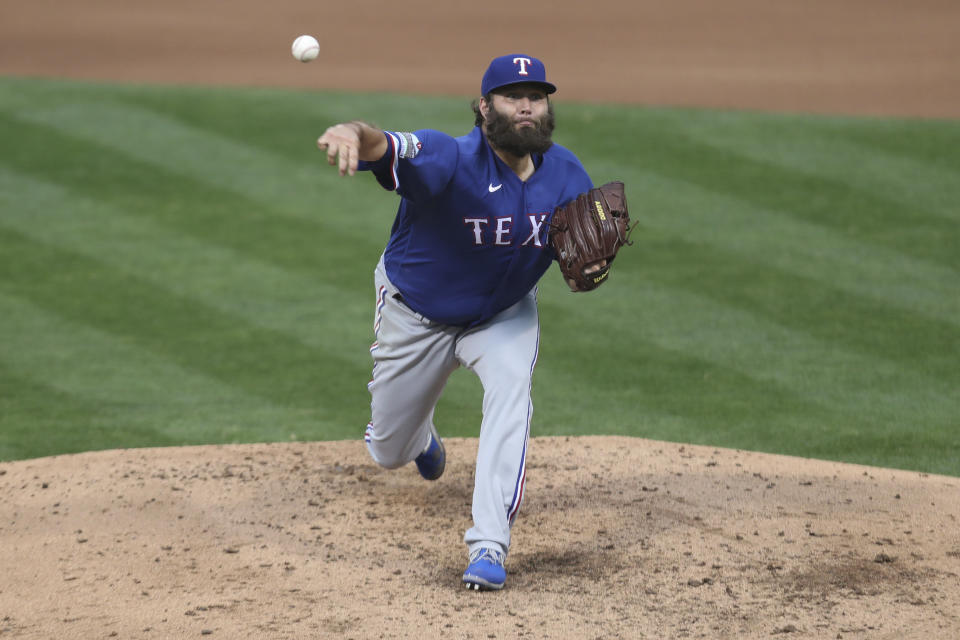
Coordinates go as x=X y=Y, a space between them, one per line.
x=492 y=188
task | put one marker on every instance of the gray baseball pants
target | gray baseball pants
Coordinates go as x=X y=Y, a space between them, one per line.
x=413 y=358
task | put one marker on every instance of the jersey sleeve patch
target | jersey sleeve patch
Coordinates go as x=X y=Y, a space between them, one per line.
x=409 y=146
x=400 y=146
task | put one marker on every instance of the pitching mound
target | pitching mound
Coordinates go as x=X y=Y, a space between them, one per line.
x=618 y=538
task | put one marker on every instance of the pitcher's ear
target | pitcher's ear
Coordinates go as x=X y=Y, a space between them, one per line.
x=484 y=106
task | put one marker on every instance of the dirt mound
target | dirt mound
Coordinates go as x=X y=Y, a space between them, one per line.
x=618 y=538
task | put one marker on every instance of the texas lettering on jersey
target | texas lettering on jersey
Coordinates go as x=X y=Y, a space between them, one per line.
x=499 y=231
x=469 y=238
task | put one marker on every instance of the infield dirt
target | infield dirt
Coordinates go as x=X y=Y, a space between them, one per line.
x=617 y=538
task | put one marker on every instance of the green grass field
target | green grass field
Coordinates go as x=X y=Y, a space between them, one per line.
x=179 y=266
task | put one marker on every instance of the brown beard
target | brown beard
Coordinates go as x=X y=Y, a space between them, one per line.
x=503 y=135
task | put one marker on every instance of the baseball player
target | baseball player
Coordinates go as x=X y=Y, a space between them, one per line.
x=456 y=284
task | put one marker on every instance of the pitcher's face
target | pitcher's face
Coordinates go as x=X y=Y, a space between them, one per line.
x=519 y=119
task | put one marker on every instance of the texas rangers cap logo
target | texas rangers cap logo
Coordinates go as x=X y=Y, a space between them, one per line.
x=514 y=69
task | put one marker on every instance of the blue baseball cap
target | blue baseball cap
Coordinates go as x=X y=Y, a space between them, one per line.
x=515 y=68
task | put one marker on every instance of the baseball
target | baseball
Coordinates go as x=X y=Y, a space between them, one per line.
x=305 y=48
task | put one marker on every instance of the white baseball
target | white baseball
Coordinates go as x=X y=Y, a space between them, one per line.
x=305 y=48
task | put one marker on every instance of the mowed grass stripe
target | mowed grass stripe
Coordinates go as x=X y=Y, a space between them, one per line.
x=31 y=411
x=40 y=420
x=97 y=390
x=934 y=142
x=650 y=145
x=288 y=122
x=658 y=383
x=838 y=317
x=811 y=146
x=674 y=209
x=679 y=397
x=188 y=206
x=309 y=310
x=655 y=382
x=925 y=292
x=849 y=384
x=301 y=190
x=257 y=361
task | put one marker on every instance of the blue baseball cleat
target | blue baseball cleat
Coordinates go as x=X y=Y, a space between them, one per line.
x=486 y=570
x=433 y=460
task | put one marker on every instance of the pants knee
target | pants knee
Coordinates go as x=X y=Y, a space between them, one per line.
x=507 y=383
x=386 y=459
x=502 y=369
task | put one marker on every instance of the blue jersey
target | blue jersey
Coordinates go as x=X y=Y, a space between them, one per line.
x=470 y=238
